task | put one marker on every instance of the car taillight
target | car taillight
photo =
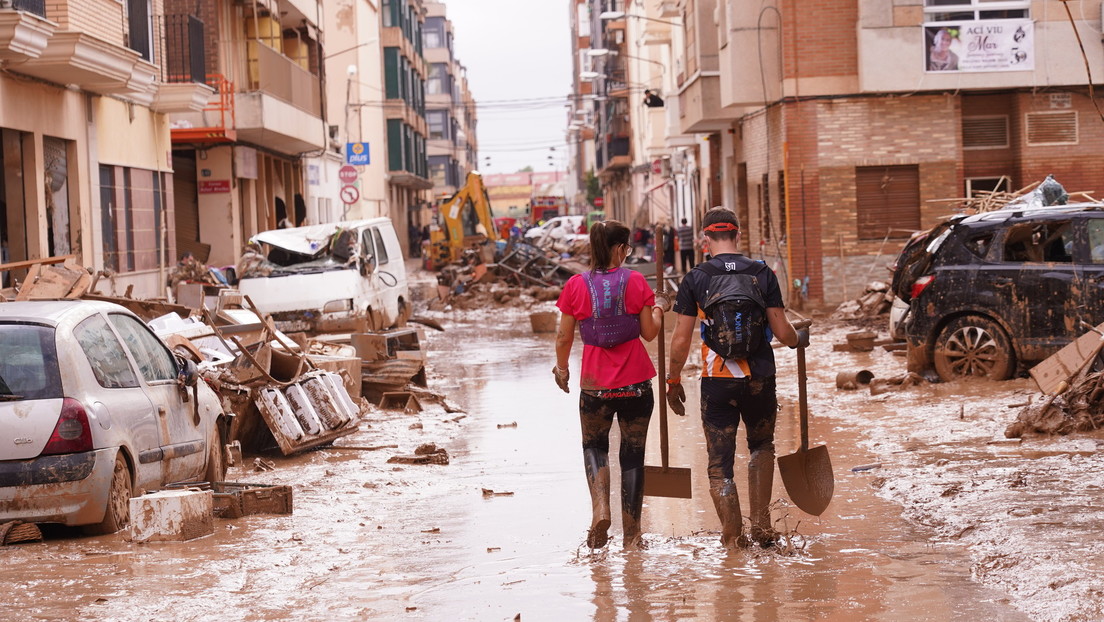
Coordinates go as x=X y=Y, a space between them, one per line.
x=920 y=283
x=71 y=434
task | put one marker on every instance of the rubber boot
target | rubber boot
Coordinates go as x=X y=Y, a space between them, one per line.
x=727 y=502
x=632 y=503
x=598 y=480
x=760 y=480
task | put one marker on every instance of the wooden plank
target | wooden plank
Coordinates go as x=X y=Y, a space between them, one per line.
x=1055 y=371
x=19 y=265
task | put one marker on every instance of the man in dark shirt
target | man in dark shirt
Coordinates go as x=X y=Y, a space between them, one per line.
x=733 y=389
x=686 y=247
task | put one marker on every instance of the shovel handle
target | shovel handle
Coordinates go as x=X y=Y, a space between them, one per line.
x=664 y=443
x=803 y=398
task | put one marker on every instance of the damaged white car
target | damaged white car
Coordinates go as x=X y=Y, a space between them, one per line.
x=332 y=277
x=94 y=407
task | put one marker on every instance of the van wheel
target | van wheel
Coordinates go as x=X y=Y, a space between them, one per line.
x=404 y=314
x=216 y=457
x=118 y=501
x=973 y=347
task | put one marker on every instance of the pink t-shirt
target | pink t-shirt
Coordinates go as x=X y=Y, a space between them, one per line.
x=624 y=364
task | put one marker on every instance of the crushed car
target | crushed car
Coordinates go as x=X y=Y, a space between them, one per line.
x=94 y=406
x=990 y=294
x=328 y=278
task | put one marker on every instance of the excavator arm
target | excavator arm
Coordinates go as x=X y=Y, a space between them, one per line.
x=460 y=216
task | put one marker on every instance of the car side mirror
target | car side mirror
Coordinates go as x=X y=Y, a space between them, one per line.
x=187 y=370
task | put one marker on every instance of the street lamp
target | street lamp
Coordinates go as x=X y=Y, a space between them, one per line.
x=612 y=15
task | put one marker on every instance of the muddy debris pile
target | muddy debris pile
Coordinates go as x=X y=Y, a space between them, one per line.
x=874 y=301
x=1078 y=409
x=497 y=294
x=522 y=273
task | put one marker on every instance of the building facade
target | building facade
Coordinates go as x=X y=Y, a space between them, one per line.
x=835 y=130
x=450 y=109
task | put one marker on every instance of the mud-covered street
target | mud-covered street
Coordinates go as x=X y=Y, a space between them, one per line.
x=988 y=529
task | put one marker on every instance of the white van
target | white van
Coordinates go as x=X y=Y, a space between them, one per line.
x=333 y=277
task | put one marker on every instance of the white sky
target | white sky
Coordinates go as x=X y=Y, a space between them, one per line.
x=516 y=49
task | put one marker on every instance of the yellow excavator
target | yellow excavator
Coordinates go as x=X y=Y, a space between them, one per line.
x=466 y=222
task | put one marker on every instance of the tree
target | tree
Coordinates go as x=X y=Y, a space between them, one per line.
x=527 y=169
x=593 y=188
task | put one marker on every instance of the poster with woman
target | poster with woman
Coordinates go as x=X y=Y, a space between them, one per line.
x=981 y=45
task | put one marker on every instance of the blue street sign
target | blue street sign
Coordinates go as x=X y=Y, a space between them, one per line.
x=356 y=153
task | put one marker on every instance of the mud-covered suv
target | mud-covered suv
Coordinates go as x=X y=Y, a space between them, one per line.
x=995 y=292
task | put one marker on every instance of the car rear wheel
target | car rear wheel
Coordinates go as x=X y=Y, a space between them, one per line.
x=973 y=347
x=118 y=501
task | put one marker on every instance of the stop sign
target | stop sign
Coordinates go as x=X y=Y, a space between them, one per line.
x=347 y=174
x=599 y=201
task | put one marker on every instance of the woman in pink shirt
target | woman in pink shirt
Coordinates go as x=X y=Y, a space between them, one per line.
x=614 y=308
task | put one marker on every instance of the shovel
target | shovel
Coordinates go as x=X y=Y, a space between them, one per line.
x=807 y=473
x=665 y=480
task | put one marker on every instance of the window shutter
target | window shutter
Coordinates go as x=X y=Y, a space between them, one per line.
x=888 y=201
x=1052 y=128
x=985 y=132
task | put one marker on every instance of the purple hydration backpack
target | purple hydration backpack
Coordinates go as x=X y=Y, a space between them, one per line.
x=608 y=324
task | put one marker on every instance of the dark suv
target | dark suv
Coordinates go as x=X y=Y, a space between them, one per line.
x=994 y=292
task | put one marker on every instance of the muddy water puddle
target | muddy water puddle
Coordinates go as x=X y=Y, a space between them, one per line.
x=371 y=540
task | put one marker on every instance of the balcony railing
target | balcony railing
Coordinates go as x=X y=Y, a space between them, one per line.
x=279 y=76
x=183 y=57
x=38 y=7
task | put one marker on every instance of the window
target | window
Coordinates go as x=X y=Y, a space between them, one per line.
x=969 y=10
x=888 y=201
x=437 y=120
x=104 y=352
x=131 y=209
x=1052 y=128
x=367 y=250
x=985 y=132
x=1096 y=240
x=28 y=362
x=689 y=25
x=433 y=34
x=438 y=80
x=977 y=185
x=154 y=360
x=381 y=248
x=438 y=170
x=1039 y=242
x=979 y=244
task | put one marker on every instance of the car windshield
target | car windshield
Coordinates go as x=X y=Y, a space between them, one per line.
x=28 y=362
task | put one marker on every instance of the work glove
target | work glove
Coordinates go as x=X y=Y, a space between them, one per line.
x=676 y=399
x=562 y=376
x=802 y=339
x=664 y=300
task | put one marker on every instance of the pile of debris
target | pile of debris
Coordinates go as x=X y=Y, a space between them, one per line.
x=1079 y=409
x=1046 y=192
x=874 y=301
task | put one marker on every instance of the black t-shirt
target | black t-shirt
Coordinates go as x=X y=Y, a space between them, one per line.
x=693 y=286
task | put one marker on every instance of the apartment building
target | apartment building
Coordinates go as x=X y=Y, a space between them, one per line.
x=85 y=93
x=624 y=124
x=836 y=129
x=404 y=111
x=239 y=162
x=450 y=108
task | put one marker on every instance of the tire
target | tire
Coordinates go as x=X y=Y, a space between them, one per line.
x=404 y=314
x=117 y=515
x=973 y=347
x=216 y=457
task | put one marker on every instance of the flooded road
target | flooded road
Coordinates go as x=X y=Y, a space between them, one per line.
x=372 y=540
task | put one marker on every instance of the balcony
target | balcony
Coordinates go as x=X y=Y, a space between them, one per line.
x=183 y=60
x=94 y=65
x=700 y=109
x=616 y=155
x=24 y=31
x=272 y=73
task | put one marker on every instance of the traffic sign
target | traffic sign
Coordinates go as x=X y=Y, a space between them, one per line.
x=599 y=201
x=356 y=153
x=347 y=174
x=350 y=195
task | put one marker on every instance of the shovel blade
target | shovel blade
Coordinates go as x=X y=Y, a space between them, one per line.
x=671 y=482
x=808 y=478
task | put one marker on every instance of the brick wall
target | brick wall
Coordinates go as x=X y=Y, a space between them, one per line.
x=103 y=19
x=1078 y=167
x=819 y=38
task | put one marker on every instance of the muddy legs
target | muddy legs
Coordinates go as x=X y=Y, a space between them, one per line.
x=632 y=502
x=727 y=502
x=760 y=479
x=598 y=479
